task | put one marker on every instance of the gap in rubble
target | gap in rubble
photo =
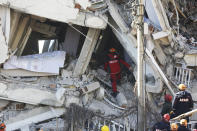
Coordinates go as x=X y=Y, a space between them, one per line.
x=60 y=36
x=109 y=40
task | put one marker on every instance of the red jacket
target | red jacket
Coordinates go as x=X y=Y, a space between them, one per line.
x=114 y=63
x=2 y=127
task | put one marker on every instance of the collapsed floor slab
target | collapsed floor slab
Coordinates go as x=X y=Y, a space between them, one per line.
x=33 y=116
x=29 y=95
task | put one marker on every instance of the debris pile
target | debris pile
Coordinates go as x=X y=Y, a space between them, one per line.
x=52 y=74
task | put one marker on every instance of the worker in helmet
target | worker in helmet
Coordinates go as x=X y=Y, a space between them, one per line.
x=104 y=128
x=163 y=125
x=174 y=127
x=183 y=125
x=113 y=63
x=167 y=106
x=182 y=102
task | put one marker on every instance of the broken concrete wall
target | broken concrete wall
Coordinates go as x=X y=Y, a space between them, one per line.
x=4 y=32
x=56 y=8
x=5 y=21
x=54 y=12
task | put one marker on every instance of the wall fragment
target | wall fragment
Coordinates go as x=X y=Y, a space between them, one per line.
x=4 y=32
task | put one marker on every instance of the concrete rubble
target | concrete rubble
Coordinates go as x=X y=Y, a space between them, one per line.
x=52 y=59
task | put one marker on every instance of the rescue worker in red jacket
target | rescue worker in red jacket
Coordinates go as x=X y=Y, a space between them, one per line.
x=2 y=127
x=114 y=68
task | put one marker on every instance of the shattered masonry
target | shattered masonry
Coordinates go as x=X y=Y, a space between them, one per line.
x=52 y=58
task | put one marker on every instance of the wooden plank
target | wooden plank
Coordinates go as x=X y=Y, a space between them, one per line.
x=24 y=42
x=15 y=17
x=20 y=31
x=43 y=28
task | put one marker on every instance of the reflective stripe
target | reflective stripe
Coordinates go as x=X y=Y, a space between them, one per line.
x=113 y=61
x=184 y=100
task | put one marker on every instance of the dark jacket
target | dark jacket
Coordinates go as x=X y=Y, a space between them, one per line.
x=182 y=102
x=183 y=128
x=167 y=108
x=163 y=126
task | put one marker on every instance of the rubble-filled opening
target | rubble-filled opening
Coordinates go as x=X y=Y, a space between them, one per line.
x=106 y=41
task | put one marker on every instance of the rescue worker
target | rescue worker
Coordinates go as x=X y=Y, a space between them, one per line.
x=164 y=125
x=183 y=125
x=2 y=127
x=182 y=102
x=167 y=106
x=113 y=63
x=105 y=128
x=174 y=127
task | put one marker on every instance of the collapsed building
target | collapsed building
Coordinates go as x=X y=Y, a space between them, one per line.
x=52 y=55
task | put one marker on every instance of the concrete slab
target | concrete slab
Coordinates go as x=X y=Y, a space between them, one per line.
x=33 y=116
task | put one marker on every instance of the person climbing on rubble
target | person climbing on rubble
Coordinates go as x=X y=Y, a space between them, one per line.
x=163 y=125
x=182 y=102
x=167 y=106
x=174 y=127
x=113 y=63
x=183 y=125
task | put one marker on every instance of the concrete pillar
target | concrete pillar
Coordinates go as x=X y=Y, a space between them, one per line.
x=86 y=52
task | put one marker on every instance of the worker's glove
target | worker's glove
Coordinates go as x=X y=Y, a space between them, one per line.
x=130 y=69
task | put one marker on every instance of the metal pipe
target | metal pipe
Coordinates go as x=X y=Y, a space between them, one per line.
x=140 y=67
x=183 y=74
x=176 y=68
